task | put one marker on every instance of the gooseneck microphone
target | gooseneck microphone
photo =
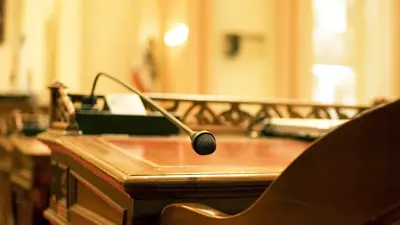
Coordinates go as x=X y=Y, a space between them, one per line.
x=203 y=142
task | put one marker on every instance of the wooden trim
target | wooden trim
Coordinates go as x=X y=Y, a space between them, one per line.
x=79 y=214
x=96 y=191
x=52 y=217
x=89 y=166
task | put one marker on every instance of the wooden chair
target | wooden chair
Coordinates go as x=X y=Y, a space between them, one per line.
x=350 y=176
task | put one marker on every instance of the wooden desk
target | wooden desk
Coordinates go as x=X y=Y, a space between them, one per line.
x=30 y=180
x=6 y=148
x=24 y=103
x=129 y=180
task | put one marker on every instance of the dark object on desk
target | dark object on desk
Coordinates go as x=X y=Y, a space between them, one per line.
x=32 y=131
x=347 y=177
x=95 y=122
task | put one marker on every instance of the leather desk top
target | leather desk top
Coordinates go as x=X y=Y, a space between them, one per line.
x=171 y=159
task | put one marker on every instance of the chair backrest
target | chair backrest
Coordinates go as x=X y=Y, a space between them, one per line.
x=347 y=177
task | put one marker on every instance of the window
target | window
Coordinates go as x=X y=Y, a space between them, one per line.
x=334 y=79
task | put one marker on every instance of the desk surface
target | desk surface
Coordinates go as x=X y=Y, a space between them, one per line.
x=30 y=146
x=150 y=159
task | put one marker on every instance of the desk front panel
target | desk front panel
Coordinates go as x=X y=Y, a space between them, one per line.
x=132 y=178
x=30 y=180
x=6 y=216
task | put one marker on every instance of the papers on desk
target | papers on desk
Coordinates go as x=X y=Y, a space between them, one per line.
x=126 y=104
x=300 y=128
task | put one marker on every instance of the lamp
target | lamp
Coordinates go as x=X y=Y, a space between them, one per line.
x=176 y=36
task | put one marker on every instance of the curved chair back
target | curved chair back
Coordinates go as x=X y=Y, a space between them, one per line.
x=349 y=176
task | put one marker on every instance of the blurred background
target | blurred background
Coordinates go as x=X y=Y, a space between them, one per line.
x=329 y=51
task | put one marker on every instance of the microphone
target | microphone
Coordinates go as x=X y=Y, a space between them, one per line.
x=203 y=142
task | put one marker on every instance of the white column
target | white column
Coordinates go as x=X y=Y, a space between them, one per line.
x=69 y=44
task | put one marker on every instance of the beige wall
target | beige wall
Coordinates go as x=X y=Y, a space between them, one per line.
x=109 y=41
x=293 y=55
x=32 y=58
x=252 y=71
x=10 y=43
x=73 y=40
x=67 y=49
x=377 y=53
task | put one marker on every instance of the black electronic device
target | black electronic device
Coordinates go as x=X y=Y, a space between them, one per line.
x=100 y=122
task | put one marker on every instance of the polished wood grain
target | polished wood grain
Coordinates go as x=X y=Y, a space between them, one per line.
x=134 y=178
x=348 y=177
x=130 y=159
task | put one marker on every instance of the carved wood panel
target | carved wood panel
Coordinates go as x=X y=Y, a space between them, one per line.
x=29 y=200
x=86 y=195
x=58 y=192
x=6 y=216
x=22 y=207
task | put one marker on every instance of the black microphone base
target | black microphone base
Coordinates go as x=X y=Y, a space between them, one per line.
x=97 y=123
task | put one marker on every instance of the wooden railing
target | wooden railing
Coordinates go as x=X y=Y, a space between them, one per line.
x=205 y=110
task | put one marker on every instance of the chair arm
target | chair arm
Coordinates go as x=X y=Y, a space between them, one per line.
x=189 y=214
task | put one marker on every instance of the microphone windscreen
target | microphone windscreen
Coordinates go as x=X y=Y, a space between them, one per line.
x=204 y=143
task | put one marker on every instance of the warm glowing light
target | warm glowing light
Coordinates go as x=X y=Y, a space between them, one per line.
x=331 y=16
x=334 y=83
x=176 y=36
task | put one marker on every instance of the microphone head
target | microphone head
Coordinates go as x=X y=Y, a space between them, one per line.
x=203 y=143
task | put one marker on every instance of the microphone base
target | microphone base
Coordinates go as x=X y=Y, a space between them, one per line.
x=97 y=123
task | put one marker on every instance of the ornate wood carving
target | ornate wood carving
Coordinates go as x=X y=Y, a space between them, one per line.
x=203 y=111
